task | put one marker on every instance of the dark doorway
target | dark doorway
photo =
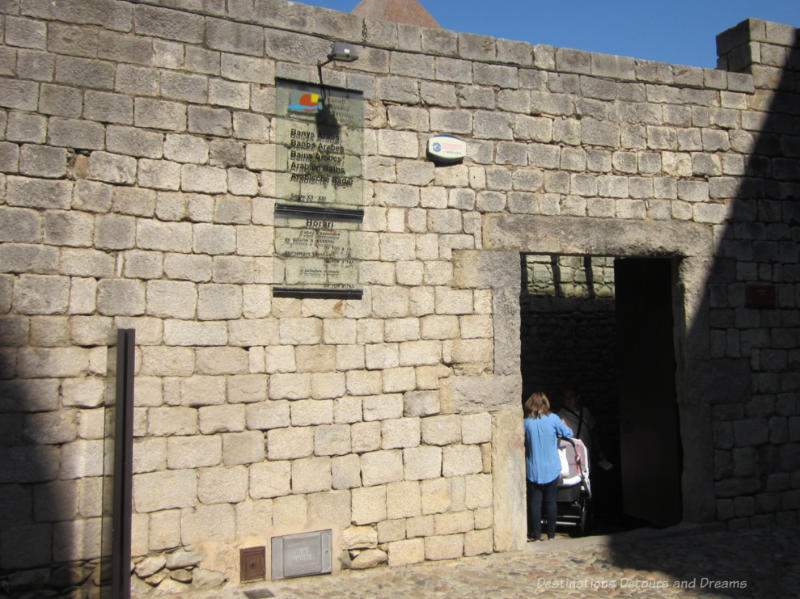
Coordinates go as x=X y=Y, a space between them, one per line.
x=650 y=451
x=603 y=328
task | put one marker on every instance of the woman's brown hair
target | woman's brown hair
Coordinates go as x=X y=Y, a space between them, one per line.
x=537 y=405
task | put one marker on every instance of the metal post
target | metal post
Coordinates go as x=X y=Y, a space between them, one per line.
x=123 y=466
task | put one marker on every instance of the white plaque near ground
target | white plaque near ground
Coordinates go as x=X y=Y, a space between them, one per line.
x=303 y=554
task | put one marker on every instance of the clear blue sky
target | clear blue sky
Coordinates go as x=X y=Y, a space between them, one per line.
x=674 y=31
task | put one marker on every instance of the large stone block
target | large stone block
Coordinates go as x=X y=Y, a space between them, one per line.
x=423 y=462
x=444 y=547
x=270 y=479
x=223 y=485
x=369 y=505
x=208 y=523
x=156 y=491
x=380 y=467
x=310 y=475
x=290 y=443
x=243 y=448
x=193 y=451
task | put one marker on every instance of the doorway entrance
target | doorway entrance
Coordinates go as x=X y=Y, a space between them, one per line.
x=602 y=327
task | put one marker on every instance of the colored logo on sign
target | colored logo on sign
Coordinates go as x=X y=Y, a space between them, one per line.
x=437 y=147
x=304 y=102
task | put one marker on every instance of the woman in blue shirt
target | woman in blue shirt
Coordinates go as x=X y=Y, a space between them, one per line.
x=542 y=463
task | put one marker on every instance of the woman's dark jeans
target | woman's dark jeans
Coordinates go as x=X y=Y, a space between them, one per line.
x=538 y=494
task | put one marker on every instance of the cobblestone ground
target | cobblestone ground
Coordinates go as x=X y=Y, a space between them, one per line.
x=693 y=563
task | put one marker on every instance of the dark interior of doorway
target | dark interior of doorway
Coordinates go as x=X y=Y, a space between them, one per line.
x=572 y=338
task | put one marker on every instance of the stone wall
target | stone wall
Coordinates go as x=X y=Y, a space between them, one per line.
x=138 y=161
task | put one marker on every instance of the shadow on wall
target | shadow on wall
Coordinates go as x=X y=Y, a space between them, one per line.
x=51 y=488
x=746 y=336
x=33 y=501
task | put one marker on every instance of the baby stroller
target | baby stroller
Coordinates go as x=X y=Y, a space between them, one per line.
x=574 y=499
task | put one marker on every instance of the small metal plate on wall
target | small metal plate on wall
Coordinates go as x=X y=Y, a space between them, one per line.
x=304 y=554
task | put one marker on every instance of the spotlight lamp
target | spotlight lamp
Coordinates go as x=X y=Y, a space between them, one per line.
x=343 y=51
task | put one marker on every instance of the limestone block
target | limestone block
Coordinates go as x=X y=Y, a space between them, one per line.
x=165 y=421
x=325 y=385
x=403 y=499
x=365 y=436
x=246 y=388
x=478 y=491
x=400 y=433
x=435 y=496
x=441 y=430
x=381 y=356
x=338 y=331
x=359 y=537
x=51 y=427
x=290 y=443
x=453 y=522
x=253 y=518
x=409 y=551
x=398 y=379
x=363 y=382
x=315 y=358
x=149 y=454
x=41 y=294
x=185 y=148
x=208 y=523
x=223 y=485
x=332 y=440
x=164 y=236
x=221 y=419
x=243 y=448
x=369 y=505
x=329 y=509
x=476 y=428
x=423 y=462
x=347 y=410
x=390 y=302
x=453 y=301
x=77 y=539
x=419 y=353
x=423 y=403
x=266 y=415
x=478 y=542
x=199 y=390
x=439 y=326
x=383 y=407
x=270 y=479
x=164 y=530
x=192 y=333
x=47 y=509
x=346 y=472
x=311 y=474
x=222 y=360
x=192 y=268
x=444 y=547
x=91 y=423
x=219 y=302
x=380 y=467
x=193 y=451
x=459 y=460
x=310 y=411
x=156 y=491
x=300 y=331
x=84 y=392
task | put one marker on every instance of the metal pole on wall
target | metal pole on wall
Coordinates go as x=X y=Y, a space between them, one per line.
x=123 y=466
